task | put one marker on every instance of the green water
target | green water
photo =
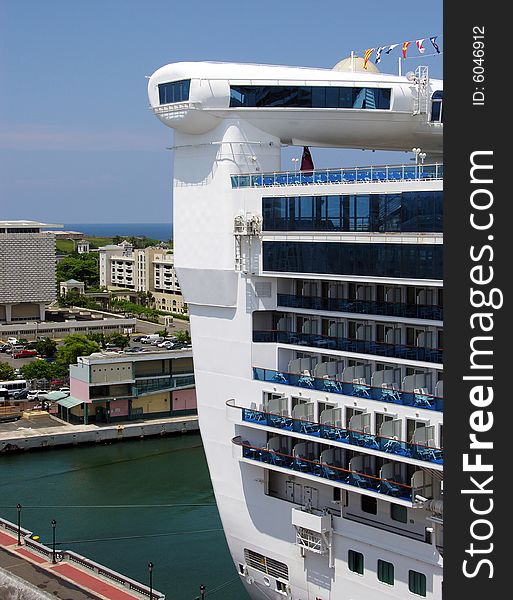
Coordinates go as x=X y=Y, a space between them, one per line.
x=65 y=484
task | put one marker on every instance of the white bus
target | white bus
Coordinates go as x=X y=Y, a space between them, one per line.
x=13 y=386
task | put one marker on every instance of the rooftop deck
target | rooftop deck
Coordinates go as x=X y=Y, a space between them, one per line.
x=373 y=174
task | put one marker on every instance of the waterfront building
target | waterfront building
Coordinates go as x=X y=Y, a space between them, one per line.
x=316 y=307
x=27 y=270
x=111 y=387
x=123 y=267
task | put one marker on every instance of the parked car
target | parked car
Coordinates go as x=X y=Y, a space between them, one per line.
x=137 y=338
x=148 y=339
x=36 y=395
x=4 y=347
x=12 y=340
x=20 y=394
x=24 y=353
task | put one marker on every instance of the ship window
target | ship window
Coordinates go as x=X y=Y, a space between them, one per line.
x=285 y=96
x=417 y=583
x=385 y=572
x=175 y=91
x=399 y=513
x=437 y=100
x=341 y=258
x=369 y=505
x=419 y=211
x=355 y=562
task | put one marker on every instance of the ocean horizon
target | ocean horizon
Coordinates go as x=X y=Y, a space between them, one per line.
x=156 y=231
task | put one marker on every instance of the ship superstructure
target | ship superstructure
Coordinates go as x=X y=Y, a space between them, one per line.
x=316 y=310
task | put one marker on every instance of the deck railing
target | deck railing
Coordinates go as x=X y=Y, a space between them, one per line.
x=361 y=390
x=325 y=471
x=365 y=307
x=419 y=353
x=373 y=174
x=334 y=433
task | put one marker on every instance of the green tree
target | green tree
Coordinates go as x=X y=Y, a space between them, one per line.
x=82 y=267
x=46 y=347
x=39 y=369
x=6 y=372
x=75 y=345
x=98 y=337
x=118 y=339
x=183 y=336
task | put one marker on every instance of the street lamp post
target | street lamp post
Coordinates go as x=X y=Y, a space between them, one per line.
x=18 y=508
x=54 y=525
x=295 y=161
x=150 y=573
x=202 y=592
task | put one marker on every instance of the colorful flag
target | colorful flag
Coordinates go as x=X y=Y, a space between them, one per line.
x=390 y=48
x=405 y=48
x=306 y=160
x=435 y=45
x=378 y=54
x=367 y=55
x=420 y=46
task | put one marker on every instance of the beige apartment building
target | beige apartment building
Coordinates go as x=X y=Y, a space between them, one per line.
x=123 y=267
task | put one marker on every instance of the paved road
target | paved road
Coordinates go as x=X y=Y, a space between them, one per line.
x=28 y=425
x=147 y=327
x=41 y=579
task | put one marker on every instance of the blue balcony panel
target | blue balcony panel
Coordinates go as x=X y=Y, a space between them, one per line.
x=326 y=471
x=418 y=353
x=335 y=386
x=332 y=433
x=364 y=307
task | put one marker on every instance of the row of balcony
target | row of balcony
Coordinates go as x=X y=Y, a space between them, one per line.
x=334 y=433
x=141 y=387
x=432 y=355
x=365 y=307
x=376 y=174
x=327 y=471
x=167 y=383
x=385 y=393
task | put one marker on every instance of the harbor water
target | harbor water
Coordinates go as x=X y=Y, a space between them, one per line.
x=126 y=504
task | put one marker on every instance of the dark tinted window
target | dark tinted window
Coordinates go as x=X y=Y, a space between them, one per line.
x=403 y=212
x=335 y=258
x=437 y=100
x=251 y=96
x=355 y=561
x=385 y=572
x=176 y=91
x=417 y=583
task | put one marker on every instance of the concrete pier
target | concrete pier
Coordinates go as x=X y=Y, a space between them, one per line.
x=39 y=432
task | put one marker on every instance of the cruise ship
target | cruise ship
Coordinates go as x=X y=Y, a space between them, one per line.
x=316 y=307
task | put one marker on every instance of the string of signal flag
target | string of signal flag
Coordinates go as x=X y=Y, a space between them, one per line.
x=388 y=48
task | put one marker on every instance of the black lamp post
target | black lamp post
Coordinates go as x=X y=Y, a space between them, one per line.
x=18 y=508
x=202 y=592
x=54 y=525
x=150 y=573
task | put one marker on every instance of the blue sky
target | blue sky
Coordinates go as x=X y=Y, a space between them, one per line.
x=77 y=141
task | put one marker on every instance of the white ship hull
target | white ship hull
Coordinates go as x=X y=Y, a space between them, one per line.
x=303 y=534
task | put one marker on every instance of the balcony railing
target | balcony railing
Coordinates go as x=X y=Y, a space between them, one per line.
x=360 y=390
x=376 y=174
x=333 y=433
x=162 y=384
x=326 y=471
x=433 y=355
x=365 y=307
